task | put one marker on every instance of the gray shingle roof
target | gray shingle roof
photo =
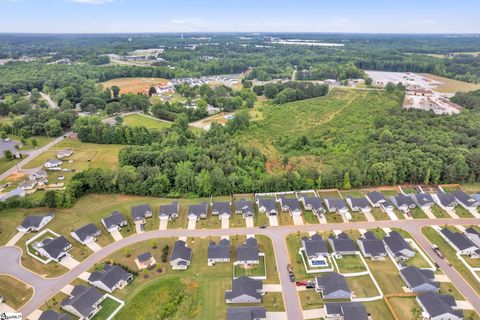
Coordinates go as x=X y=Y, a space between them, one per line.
x=423 y=199
x=465 y=199
x=416 y=277
x=169 y=209
x=246 y=313
x=402 y=200
x=139 y=212
x=446 y=199
x=55 y=247
x=331 y=282
x=437 y=305
x=52 y=315
x=245 y=286
x=146 y=256
x=83 y=299
x=198 y=209
x=248 y=251
x=342 y=243
x=221 y=207
x=349 y=310
x=110 y=276
x=244 y=206
x=314 y=202
x=460 y=240
x=372 y=245
x=291 y=203
x=220 y=250
x=335 y=204
x=314 y=245
x=360 y=203
x=396 y=242
x=180 y=250
x=115 y=219
x=33 y=221
x=269 y=204
x=377 y=197
x=86 y=231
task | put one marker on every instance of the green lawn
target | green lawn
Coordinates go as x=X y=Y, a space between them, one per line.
x=386 y=275
x=418 y=213
x=310 y=299
x=310 y=218
x=54 y=303
x=350 y=264
x=333 y=218
x=358 y=217
x=15 y=293
x=379 y=215
x=378 y=310
x=406 y=308
x=439 y=212
x=362 y=286
x=255 y=271
x=108 y=307
x=136 y=120
x=7 y=164
x=462 y=212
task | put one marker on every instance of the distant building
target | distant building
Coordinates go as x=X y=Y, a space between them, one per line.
x=114 y=222
x=111 y=278
x=86 y=234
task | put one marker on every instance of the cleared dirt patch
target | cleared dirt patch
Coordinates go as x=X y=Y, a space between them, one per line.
x=134 y=85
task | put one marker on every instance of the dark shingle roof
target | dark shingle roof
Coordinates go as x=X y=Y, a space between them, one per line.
x=446 y=199
x=139 y=212
x=244 y=206
x=198 y=209
x=180 y=250
x=332 y=282
x=86 y=231
x=52 y=315
x=55 y=247
x=437 y=305
x=291 y=203
x=269 y=204
x=83 y=299
x=144 y=256
x=115 y=219
x=220 y=250
x=423 y=199
x=360 y=203
x=465 y=199
x=169 y=209
x=314 y=202
x=460 y=240
x=33 y=221
x=349 y=310
x=342 y=243
x=416 y=277
x=314 y=245
x=403 y=200
x=246 y=313
x=334 y=203
x=221 y=207
x=110 y=276
x=371 y=245
x=396 y=242
x=376 y=197
x=245 y=286
x=248 y=251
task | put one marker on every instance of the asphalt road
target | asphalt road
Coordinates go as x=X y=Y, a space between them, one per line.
x=46 y=288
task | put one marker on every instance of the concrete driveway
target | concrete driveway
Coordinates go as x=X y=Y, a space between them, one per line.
x=192 y=223
x=92 y=245
x=273 y=221
x=69 y=262
x=14 y=239
x=297 y=220
x=116 y=235
x=249 y=222
x=225 y=223
x=138 y=228
x=163 y=224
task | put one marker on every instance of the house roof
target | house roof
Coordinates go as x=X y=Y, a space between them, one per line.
x=332 y=282
x=371 y=245
x=335 y=204
x=181 y=251
x=416 y=277
x=349 y=310
x=53 y=162
x=314 y=245
x=359 y=203
x=198 y=209
x=314 y=202
x=114 y=219
x=52 y=315
x=34 y=221
x=55 y=247
x=402 y=200
x=396 y=242
x=110 y=276
x=342 y=243
x=248 y=251
x=291 y=203
x=376 y=197
x=83 y=299
x=446 y=199
x=169 y=209
x=27 y=184
x=139 y=212
x=146 y=256
x=245 y=286
x=439 y=304
x=269 y=204
x=12 y=193
x=423 y=199
x=221 y=207
x=465 y=199
x=246 y=313
x=244 y=206
x=220 y=250
x=460 y=240
x=86 y=231
x=472 y=230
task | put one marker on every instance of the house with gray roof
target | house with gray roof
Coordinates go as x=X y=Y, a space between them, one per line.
x=465 y=200
x=140 y=213
x=342 y=245
x=446 y=201
x=419 y=280
x=359 y=204
x=83 y=302
x=439 y=306
x=248 y=253
x=337 y=205
x=168 y=211
x=398 y=247
x=313 y=204
x=221 y=209
x=291 y=205
x=315 y=249
x=371 y=247
x=218 y=252
x=64 y=153
x=245 y=208
x=27 y=184
x=146 y=260
x=53 y=315
x=423 y=200
x=52 y=163
x=12 y=194
x=86 y=234
x=346 y=311
x=474 y=235
x=39 y=174
x=333 y=286
x=268 y=206
x=403 y=203
x=460 y=242
x=114 y=222
x=247 y=313
x=181 y=256
x=245 y=290
x=378 y=200
x=198 y=211
x=34 y=222
x=55 y=249
x=111 y=278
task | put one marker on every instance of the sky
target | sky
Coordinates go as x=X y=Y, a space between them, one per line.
x=132 y=16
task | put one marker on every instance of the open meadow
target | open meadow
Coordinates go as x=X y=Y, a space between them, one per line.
x=133 y=85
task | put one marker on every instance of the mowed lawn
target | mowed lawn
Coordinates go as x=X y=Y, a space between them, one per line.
x=15 y=293
x=148 y=122
x=133 y=85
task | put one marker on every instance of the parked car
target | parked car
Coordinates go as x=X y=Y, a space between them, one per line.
x=263 y=226
x=436 y=249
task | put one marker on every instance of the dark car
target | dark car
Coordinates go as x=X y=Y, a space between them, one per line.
x=263 y=227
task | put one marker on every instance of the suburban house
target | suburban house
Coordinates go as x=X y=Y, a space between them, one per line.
x=337 y=205
x=55 y=249
x=371 y=247
x=333 y=286
x=268 y=206
x=398 y=247
x=12 y=194
x=245 y=290
x=465 y=200
x=419 y=280
x=446 y=201
x=403 y=202
x=439 y=306
x=247 y=313
x=291 y=205
x=64 y=153
x=342 y=244
x=378 y=200
x=168 y=211
x=245 y=208
x=83 y=302
x=146 y=260
x=247 y=254
x=460 y=242
x=473 y=235
x=34 y=223
x=181 y=256
x=359 y=204
x=52 y=163
x=28 y=185
x=315 y=250
x=114 y=222
x=197 y=211
x=423 y=200
x=52 y=315
x=140 y=213
x=313 y=204
x=111 y=278
x=86 y=234
x=345 y=311
x=218 y=252
x=39 y=174
x=221 y=209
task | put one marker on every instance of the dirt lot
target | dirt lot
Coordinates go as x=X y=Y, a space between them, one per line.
x=134 y=85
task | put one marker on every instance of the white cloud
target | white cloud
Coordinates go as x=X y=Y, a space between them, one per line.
x=93 y=1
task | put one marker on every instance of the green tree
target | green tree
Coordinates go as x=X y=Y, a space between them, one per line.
x=346 y=181
x=8 y=154
x=34 y=142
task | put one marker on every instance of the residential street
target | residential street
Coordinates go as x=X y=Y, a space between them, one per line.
x=45 y=288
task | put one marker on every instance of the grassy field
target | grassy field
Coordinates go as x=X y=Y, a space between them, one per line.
x=108 y=307
x=386 y=275
x=350 y=264
x=439 y=212
x=15 y=293
x=133 y=85
x=362 y=286
x=310 y=299
x=378 y=310
x=148 y=122
x=406 y=308
x=450 y=85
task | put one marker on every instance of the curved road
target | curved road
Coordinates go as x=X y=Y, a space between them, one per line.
x=46 y=288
